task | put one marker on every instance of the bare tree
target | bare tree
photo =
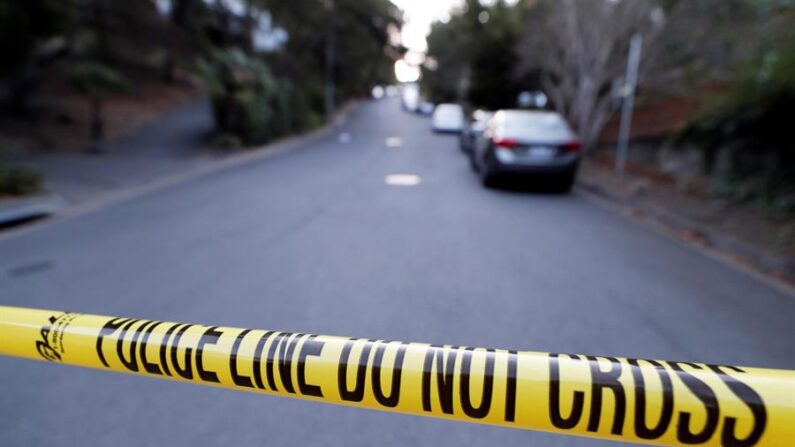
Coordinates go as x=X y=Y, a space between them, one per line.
x=579 y=47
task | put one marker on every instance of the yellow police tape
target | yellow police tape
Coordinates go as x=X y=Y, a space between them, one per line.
x=649 y=401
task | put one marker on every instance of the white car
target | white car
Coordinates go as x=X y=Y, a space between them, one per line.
x=410 y=97
x=448 y=118
x=426 y=108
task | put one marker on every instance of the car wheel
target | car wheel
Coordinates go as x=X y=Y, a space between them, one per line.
x=564 y=183
x=486 y=175
x=472 y=163
x=488 y=180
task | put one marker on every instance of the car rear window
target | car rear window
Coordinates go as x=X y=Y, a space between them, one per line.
x=449 y=109
x=537 y=126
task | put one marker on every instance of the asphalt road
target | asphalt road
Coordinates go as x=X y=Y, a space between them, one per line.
x=313 y=240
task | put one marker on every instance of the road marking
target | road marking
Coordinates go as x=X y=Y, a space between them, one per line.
x=394 y=142
x=402 y=180
x=344 y=138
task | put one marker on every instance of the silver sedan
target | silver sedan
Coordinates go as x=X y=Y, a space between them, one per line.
x=527 y=143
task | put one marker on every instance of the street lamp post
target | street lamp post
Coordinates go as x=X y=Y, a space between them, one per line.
x=628 y=93
x=329 y=60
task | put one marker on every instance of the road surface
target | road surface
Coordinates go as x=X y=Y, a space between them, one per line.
x=315 y=241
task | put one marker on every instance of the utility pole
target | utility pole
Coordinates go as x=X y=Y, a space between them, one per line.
x=329 y=72
x=628 y=95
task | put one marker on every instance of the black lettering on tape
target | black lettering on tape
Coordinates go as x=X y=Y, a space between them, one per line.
x=209 y=337
x=258 y=359
x=43 y=346
x=187 y=371
x=108 y=329
x=357 y=393
x=704 y=393
x=393 y=398
x=286 y=349
x=151 y=368
x=510 y=388
x=470 y=410
x=601 y=380
x=642 y=430
x=164 y=348
x=444 y=378
x=47 y=351
x=131 y=364
x=271 y=359
x=554 y=396
x=237 y=378
x=751 y=399
x=311 y=347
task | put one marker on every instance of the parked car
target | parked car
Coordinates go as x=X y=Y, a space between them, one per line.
x=410 y=103
x=426 y=108
x=448 y=118
x=473 y=129
x=410 y=97
x=527 y=143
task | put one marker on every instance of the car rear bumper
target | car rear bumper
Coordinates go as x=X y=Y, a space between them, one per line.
x=566 y=164
x=446 y=129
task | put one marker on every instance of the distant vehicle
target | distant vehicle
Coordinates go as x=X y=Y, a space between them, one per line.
x=522 y=142
x=426 y=108
x=473 y=129
x=448 y=118
x=410 y=98
x=411 y=103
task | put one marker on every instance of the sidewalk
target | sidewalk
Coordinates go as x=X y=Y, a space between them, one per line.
x=740 y=232
x=171 y=149
x=173 y=143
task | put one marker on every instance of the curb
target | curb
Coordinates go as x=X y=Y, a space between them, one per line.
x=256 y=153
x=780 y=266
x=14 y=211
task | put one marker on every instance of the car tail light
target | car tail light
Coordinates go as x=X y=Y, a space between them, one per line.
x=572 y=146
x=505 y=143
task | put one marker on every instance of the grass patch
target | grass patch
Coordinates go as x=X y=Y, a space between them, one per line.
x=17 y=180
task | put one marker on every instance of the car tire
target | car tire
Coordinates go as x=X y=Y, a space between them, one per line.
x=486 y=175
x=564 y=183
x=472 y=163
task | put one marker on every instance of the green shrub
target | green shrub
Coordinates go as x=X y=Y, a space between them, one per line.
x=226 y=141
x=94 y=79
x=752 y=121
x=19 y=180
x=249 y=102
x=770 y=192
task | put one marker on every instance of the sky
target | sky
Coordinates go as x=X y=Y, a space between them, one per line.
x=419 y=14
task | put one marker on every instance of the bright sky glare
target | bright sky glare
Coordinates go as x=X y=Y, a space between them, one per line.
x=419 y=14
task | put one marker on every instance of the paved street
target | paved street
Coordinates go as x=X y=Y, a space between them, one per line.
x=313 y=240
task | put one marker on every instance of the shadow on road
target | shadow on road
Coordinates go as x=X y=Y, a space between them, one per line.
x=15 y=223
x=528 y=185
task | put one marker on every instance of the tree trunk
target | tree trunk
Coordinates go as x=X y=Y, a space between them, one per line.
x=97 y=125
